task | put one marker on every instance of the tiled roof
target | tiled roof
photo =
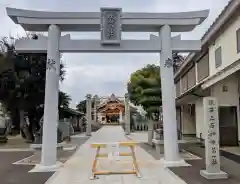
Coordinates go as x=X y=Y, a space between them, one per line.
x=73 y=111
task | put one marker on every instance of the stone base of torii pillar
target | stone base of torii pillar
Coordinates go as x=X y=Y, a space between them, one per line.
x=213 y=176
x=43 y=168
x=178 y=163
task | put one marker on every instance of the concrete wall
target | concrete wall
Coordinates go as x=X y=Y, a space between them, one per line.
x=183 y=85
x=199 y=118
x=225 y=98
x=228 y=41
x=203 y=68
x=230 y=97
x=191 y=77
x=178 y=89
x=179 y=121
x=188 y=121
x=226 y=91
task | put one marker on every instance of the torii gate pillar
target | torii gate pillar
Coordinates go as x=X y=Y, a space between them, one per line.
x=171 y=151
x=51 y=117
x=127 y=115
x=89 y=114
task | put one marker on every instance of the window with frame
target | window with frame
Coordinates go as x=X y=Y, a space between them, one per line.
x=238 y=40
x=218 y=57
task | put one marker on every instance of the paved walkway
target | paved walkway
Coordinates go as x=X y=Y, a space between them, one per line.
x=77 y=170
x=139 y=136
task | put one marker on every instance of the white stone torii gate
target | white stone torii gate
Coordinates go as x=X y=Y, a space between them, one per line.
x=111 y=22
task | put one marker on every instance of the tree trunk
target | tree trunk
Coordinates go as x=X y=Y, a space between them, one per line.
x=150 y=131
x=31 y=130
x=25 y=128
x=14 y=114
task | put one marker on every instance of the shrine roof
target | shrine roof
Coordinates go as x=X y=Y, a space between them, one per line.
x=112 y=98
x=73 y=111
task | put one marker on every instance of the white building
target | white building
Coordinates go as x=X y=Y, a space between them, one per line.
x=212 y=72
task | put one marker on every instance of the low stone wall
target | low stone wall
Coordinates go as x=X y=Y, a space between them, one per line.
x=144 y=126
x=65 y=126
x=141 y=127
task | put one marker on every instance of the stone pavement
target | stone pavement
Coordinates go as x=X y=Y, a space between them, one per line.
x=139 y=136
x=77 y=170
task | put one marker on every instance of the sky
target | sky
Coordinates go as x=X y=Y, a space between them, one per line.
x=104 y=74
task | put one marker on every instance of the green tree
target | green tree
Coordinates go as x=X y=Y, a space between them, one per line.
x=177 y=60
x=64 y=102
x=22 y=86
x=145 y=86
x=144 y=89
x=81 y=106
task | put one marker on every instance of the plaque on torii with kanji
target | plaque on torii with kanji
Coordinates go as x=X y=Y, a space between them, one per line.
x=111 y=25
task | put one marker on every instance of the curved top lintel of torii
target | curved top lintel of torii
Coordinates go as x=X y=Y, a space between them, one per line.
x=90 y=21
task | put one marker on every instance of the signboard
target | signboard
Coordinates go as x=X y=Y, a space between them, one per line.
x=113 y=149
x=111 y=25
x=211 y=124
x=212 y=136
